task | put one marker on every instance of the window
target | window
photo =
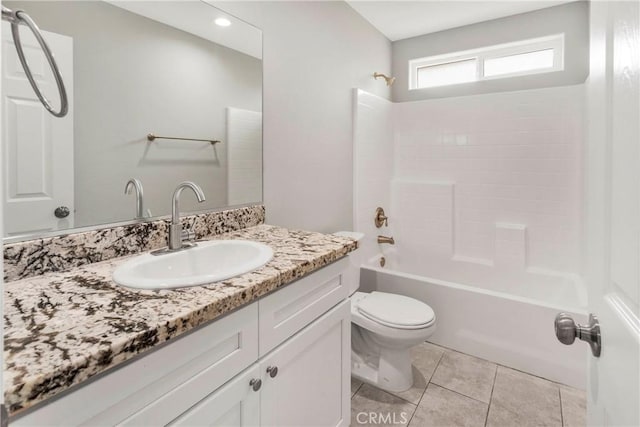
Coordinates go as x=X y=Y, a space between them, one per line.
x=447 y=73
x=525 y=57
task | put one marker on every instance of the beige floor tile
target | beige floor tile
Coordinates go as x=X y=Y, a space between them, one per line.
x=425 y=358
x=441 y=407
x=501 y=417
x=574 y=407
x=466 y=375
x=355 y=386
x=522 y=399
x=373 y=407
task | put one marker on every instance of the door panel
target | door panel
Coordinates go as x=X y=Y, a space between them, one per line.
x=613 y=211
x=37 y=147
x=625 y=179
x=235 y=404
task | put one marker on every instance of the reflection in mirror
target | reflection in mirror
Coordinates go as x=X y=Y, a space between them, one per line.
x=131 y=69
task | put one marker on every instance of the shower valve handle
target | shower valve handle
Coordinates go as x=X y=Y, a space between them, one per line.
x=380 y=218
x=567 y=331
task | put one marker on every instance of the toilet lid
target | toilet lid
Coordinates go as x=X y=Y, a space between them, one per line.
x=396 y=310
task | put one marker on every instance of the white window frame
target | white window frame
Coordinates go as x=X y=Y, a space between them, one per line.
x=555 y=42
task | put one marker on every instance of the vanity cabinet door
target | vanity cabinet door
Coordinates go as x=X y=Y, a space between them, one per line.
x=311 y=384
x=234 y=404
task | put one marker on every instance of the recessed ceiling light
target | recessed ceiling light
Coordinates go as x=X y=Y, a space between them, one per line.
x=223 y=22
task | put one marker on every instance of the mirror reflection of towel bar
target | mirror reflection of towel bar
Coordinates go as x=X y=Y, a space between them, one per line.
x=152 y=137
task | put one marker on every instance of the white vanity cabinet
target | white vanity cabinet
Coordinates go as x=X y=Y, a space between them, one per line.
x=304 y=382
x=304 y=367
x=312 y=384
x=281 y=361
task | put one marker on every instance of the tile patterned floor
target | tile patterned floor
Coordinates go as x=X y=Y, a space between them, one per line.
x=455 y=389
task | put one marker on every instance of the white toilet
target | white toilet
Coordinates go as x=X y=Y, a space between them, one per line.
x=384 y=327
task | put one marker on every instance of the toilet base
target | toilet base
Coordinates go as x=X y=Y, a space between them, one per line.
x=390 y=371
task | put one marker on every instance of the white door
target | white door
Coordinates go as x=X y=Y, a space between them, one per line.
x=37 y=148
x=235 y=404
x=613 y=212
x=306 y=380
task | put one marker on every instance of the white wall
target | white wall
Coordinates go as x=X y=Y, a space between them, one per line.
x=486 y=189
x=314 y=54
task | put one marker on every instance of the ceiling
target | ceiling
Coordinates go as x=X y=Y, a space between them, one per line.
x=403 y=19
x=197 y=17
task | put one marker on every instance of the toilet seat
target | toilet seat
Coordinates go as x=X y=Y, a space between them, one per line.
x=394 y=311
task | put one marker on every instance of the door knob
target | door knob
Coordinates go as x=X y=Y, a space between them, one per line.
x=567 y=331
x=255 y=384
x=61 y=212
x=272 y=371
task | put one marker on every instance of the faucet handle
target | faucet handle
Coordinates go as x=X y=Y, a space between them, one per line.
x=188 y=235
x=380 y=218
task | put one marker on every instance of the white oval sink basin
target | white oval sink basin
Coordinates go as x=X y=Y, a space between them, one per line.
x=205 y=263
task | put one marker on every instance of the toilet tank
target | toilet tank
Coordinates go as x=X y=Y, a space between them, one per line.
x=355 y=260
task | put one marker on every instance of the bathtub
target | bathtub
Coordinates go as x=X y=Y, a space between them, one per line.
x=508 y=325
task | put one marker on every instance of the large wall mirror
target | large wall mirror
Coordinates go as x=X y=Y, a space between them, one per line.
x=133 y=68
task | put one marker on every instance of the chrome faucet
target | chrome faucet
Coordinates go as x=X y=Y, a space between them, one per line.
x=385 y=239
x=176 y=234
x=137 y=184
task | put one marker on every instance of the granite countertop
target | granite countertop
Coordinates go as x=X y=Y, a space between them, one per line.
x=63 y=328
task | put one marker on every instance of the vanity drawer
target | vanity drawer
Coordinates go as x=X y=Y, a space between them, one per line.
x=293 y=307
x=150 y=390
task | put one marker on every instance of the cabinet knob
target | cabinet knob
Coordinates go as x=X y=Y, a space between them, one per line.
x=255 y=384
x=272 y=371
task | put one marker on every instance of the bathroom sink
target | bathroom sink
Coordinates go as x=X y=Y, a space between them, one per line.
x=207 y=262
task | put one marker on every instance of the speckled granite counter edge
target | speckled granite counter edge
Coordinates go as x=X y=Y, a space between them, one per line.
x=62 y=253
x=292 y=261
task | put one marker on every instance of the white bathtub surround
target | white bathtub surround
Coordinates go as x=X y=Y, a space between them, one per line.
x=489 y=186
x=485 y=206
x=244 y=156
x=480 y=188
x=373 y=166
x=511 y=246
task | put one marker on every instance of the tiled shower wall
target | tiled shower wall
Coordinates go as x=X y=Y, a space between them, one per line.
x=373 y=165
x=244 y=156
x=488 y=187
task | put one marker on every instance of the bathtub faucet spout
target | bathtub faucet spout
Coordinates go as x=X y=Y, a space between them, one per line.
x=385 y=239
